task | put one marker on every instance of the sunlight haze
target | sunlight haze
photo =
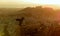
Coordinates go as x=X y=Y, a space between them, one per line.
x=28 y=3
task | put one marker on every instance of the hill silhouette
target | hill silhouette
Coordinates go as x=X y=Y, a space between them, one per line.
x=35 y=21
x=37 y=17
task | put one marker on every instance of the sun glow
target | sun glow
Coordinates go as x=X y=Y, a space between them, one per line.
x=34 y=1
x=43 y=1
x=23 y=3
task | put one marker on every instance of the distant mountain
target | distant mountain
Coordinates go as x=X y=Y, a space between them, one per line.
x=7 y=11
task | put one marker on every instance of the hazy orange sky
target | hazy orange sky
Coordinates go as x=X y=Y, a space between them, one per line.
x=26 y=3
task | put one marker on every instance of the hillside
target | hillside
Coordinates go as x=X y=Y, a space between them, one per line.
x=37 y=21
